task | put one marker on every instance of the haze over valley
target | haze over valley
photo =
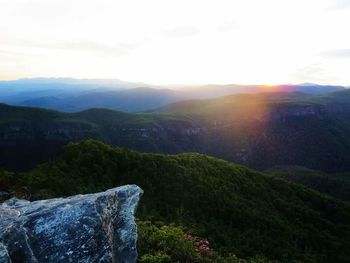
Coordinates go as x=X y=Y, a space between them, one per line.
x=72 y=95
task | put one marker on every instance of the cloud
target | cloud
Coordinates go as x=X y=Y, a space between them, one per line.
x=227 y=26
x=315 y=73
x=94 y=47
x=77 y=45
x=337 y=53
x=340 y=5
x=7 y=56
x=181 y=31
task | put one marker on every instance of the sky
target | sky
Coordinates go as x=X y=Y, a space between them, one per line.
x=177 y=41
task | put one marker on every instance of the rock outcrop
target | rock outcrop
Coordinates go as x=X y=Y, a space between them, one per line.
x=83 y=228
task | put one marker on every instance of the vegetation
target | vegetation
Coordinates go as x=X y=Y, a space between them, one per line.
x=256 y=130
x=238 y=210
x=337 y=185
x=167 y=243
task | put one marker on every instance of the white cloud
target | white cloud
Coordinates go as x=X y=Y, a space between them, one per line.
x=181 y=31
x=168 y=41
x=314 y=73
x=337 y=53
x=227 y=26
x=339 y=5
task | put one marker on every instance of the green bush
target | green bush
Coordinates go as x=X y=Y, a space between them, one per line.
x=157 y=258
x=163 y=244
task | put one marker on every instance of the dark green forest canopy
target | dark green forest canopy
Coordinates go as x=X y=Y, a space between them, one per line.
x=239 y=210
x=336 y=185
x=256 y=130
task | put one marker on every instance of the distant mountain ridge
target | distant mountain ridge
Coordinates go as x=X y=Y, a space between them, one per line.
x=136 y=99
x=73 y=95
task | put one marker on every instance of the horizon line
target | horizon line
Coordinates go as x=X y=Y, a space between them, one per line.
x=306 y=83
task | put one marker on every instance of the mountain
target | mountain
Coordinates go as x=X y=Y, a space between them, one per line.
x=136 y=99
x=73 y=95
x=258 y=130
x=337 y=185
x=284 y=128
x=239 y=210
x=17 y=91
x=212 y=90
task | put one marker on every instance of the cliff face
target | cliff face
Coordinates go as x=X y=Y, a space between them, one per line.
x=254 y=132
x=60 y=131
x=84 y=228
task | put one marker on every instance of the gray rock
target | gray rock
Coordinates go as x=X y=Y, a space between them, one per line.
x=83 y=228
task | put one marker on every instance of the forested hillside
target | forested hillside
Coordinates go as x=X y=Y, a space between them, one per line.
x=258 y=130
x=337 y=185
x=239 y=210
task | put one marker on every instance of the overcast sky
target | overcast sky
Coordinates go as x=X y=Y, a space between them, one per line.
x=177 y=42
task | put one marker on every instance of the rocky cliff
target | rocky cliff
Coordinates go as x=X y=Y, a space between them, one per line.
x=83 y=228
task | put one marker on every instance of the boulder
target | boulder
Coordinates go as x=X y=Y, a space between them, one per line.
x=96 y=227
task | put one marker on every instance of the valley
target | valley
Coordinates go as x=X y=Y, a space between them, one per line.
x=291 y=204
x=258 y=130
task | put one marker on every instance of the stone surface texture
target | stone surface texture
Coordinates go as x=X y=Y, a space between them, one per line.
x=96 y=227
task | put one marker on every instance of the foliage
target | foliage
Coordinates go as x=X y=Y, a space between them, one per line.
x=257 y=130
x=332 y=184
x=238 y=210
x=168 y=243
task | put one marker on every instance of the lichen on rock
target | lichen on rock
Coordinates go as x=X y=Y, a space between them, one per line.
x=96 y=227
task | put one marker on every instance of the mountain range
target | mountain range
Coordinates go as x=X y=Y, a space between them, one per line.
x=258 y=130
x=290 y=205
x=73 y=95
